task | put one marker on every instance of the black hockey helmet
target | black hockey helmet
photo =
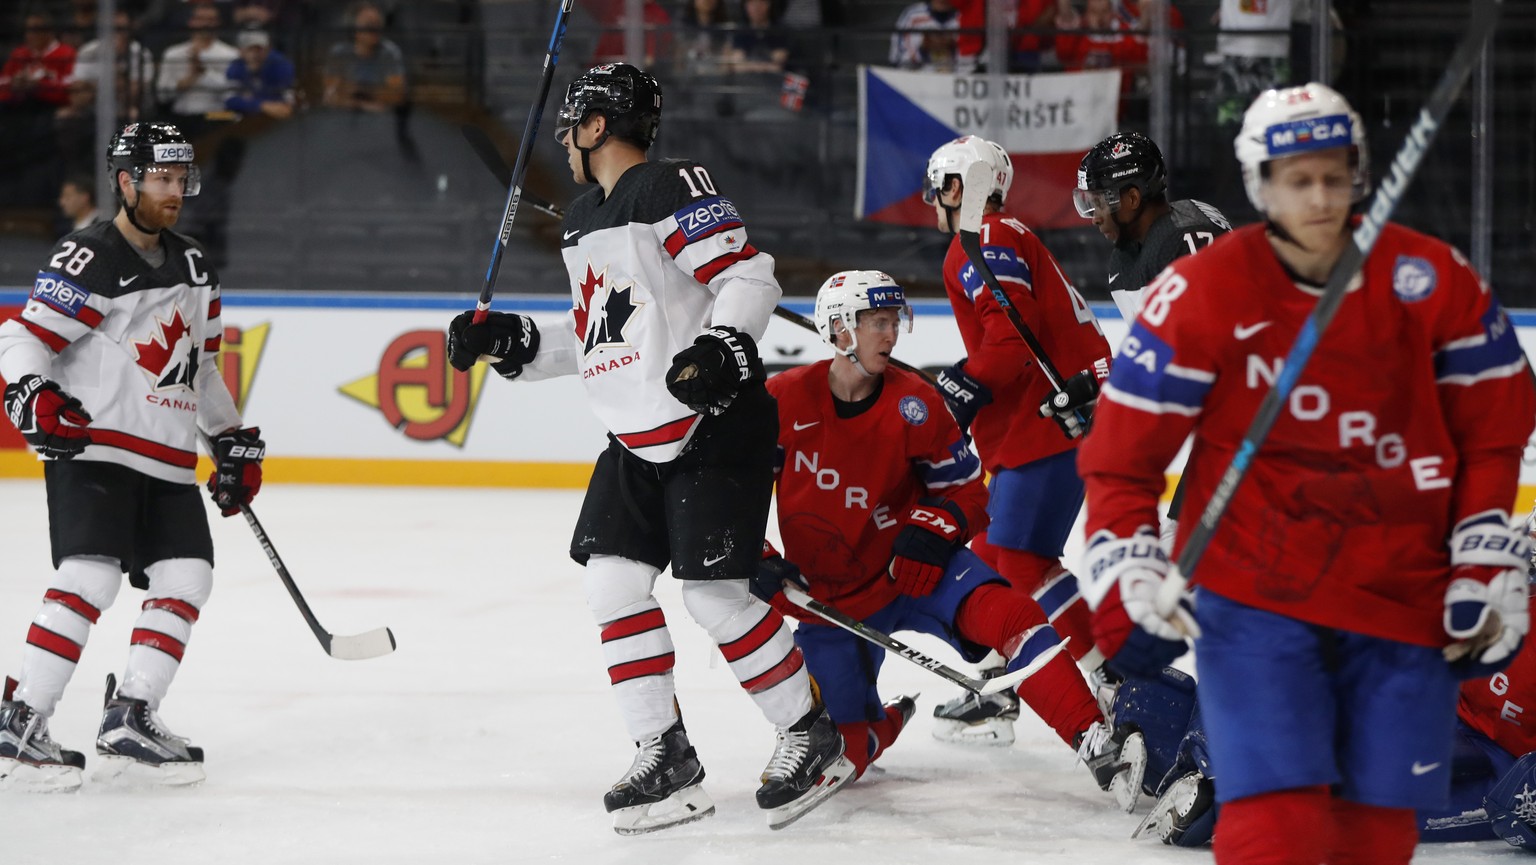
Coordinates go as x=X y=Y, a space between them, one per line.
x=138 y=146
x=629 y=97
x=1122 y=160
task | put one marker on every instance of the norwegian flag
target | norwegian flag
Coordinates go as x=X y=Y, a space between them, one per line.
x=792 y=92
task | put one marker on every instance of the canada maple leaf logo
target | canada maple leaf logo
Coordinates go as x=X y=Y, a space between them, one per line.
x=606 y=327
x=588 y=287
x=159 y=354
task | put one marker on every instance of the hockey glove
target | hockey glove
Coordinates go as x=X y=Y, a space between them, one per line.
x=768 y=583
x=707 y=375
x=1123 y=578
x=236 y=478
x=510 y=338
x=1072 y=406
x=49 y=419
x=1487 y=605
x=964 y=395
x=934 y=527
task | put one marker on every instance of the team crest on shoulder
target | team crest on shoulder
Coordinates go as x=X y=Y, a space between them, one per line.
x=913 y=410
x=1413 y=278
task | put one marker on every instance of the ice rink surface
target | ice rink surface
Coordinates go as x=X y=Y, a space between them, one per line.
x=490 y=735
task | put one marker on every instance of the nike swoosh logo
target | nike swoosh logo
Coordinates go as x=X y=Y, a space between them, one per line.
x=1420 y=769
x=123 y=283
x=570 y=234
x=1113 y=277
x=709 y=563
x=961 y=575
x=1242 y=332
x=800 y=426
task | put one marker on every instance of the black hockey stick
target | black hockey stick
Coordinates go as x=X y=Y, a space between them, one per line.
x=973 y=204
x=358 y=647
x=1415 y=145
x=520 y=167
x=896 y=647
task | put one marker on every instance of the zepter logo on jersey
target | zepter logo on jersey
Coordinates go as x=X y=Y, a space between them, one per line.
x=169 y=353
x=418 y=393
x=603 y=312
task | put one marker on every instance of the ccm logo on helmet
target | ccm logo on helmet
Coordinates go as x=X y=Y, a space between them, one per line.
x=173 y=153
x=1299 y=135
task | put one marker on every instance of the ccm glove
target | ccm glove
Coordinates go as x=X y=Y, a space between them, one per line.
x=964 y=395
x=1487 y=605
x=1121 y=586
x=768 y=583
x=511 y=338
x=1072 y=406
x=933 y=528
x=707 y=375
x=49 y=419
x=236 y=478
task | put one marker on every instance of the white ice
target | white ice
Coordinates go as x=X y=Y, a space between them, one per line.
x=490 y=735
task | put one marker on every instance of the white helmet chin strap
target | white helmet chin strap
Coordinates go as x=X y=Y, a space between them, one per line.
x=852 y=351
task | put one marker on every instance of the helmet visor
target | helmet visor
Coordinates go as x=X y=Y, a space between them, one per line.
x=1090 y=201
x=163 y=178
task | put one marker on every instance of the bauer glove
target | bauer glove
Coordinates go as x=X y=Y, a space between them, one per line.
x=707 y=375
x=236 y=478
x=49 y=419
x=1123 y=576
x=1487 y=604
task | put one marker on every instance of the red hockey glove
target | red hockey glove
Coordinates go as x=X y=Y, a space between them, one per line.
x=1123 y=578
x=236 y=478
x=49 y=419
x=1487 y=605
x=933 y=529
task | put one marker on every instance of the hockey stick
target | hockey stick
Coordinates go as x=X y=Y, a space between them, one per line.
x=973 y=203
x=896 y=647
x=1415 y=145
x=358 y=647
x=520 y=167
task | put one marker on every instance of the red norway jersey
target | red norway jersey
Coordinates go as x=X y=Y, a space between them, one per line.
x=1010 y=432
x=845 y=485
x=1409 y=418
x=1500 y=706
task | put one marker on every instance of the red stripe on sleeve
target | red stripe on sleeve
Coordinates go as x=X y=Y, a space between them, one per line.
x=59 y=645
x=156 y=640
x=76 y=603
x=91 y=318
x=641 y=668
x=664 y=434
x=49 y=338
x=782 y=670
x=754 y=639
x=712 y=269
x=675 y=243
x=629 y=626
x=143 y=447
x=173 y=605
x=213 y=308
x=212 y=345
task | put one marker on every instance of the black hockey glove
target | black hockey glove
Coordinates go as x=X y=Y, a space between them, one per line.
x=236 y=478
x=1072 y=406
x=774 y=569
x=964 y=395
x=707 y=375
x=511 y=338
x=49 y=419
x=933 y=529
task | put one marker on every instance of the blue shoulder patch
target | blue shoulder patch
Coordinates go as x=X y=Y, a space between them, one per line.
x=707 y=216
x=59 y=293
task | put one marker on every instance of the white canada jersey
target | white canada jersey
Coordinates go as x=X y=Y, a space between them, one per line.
x=134 y=343
x=647 y=266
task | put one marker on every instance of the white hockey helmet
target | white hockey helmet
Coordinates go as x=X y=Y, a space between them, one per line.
x=959 y=155
x=847 y=293
x=1295 y=120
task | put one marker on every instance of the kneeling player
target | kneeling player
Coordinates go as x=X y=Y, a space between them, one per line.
x=878 y=493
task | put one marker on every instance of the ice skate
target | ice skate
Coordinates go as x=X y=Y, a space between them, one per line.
x=29 y=758
x=807 y=767
x=974 y=719
x=135 y=745
x=1189 y=798
x=662 y=788
x=1118 y=760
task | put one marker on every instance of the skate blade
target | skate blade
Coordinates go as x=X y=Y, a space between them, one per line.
x=1178 y=798
x=991 y=733
x=1126 y=786
x=832 y=779
x=47 y=778
x=687 y=805
x=113 y=769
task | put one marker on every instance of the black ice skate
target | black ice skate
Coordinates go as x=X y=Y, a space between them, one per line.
x=974 y=719
x=807 y=767
x=1117 y=760
x=662 y=788
x=29 y=758
x=135 y=744
x=1189 y=798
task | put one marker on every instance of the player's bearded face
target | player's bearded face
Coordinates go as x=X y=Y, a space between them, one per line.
x=160 y=196
x=1309 y=196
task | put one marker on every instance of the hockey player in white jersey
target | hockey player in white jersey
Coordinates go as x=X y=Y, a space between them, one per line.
x=669 y=298
x=111 y=376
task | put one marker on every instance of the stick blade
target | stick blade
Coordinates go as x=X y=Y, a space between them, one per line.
x=360 y=647
x=973 y=199
x=1002 y=683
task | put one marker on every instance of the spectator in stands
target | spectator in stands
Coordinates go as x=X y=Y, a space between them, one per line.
x=193 y=76
x=925 y=35
x=134 y=67
x=761 y=45
x=274 y=16
x=262 y=78
x=368 y=72
x=33 y=78
x=704 y=38
x=1029 y=16
x=658 y=35
x=77 y=201
x=1098 y=39
x=82 y=23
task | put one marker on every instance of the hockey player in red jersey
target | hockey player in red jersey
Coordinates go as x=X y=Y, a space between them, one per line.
x=878 y=493
x=997 y=390
x=669 y=298
x=1372 y=530
x=112 y=377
